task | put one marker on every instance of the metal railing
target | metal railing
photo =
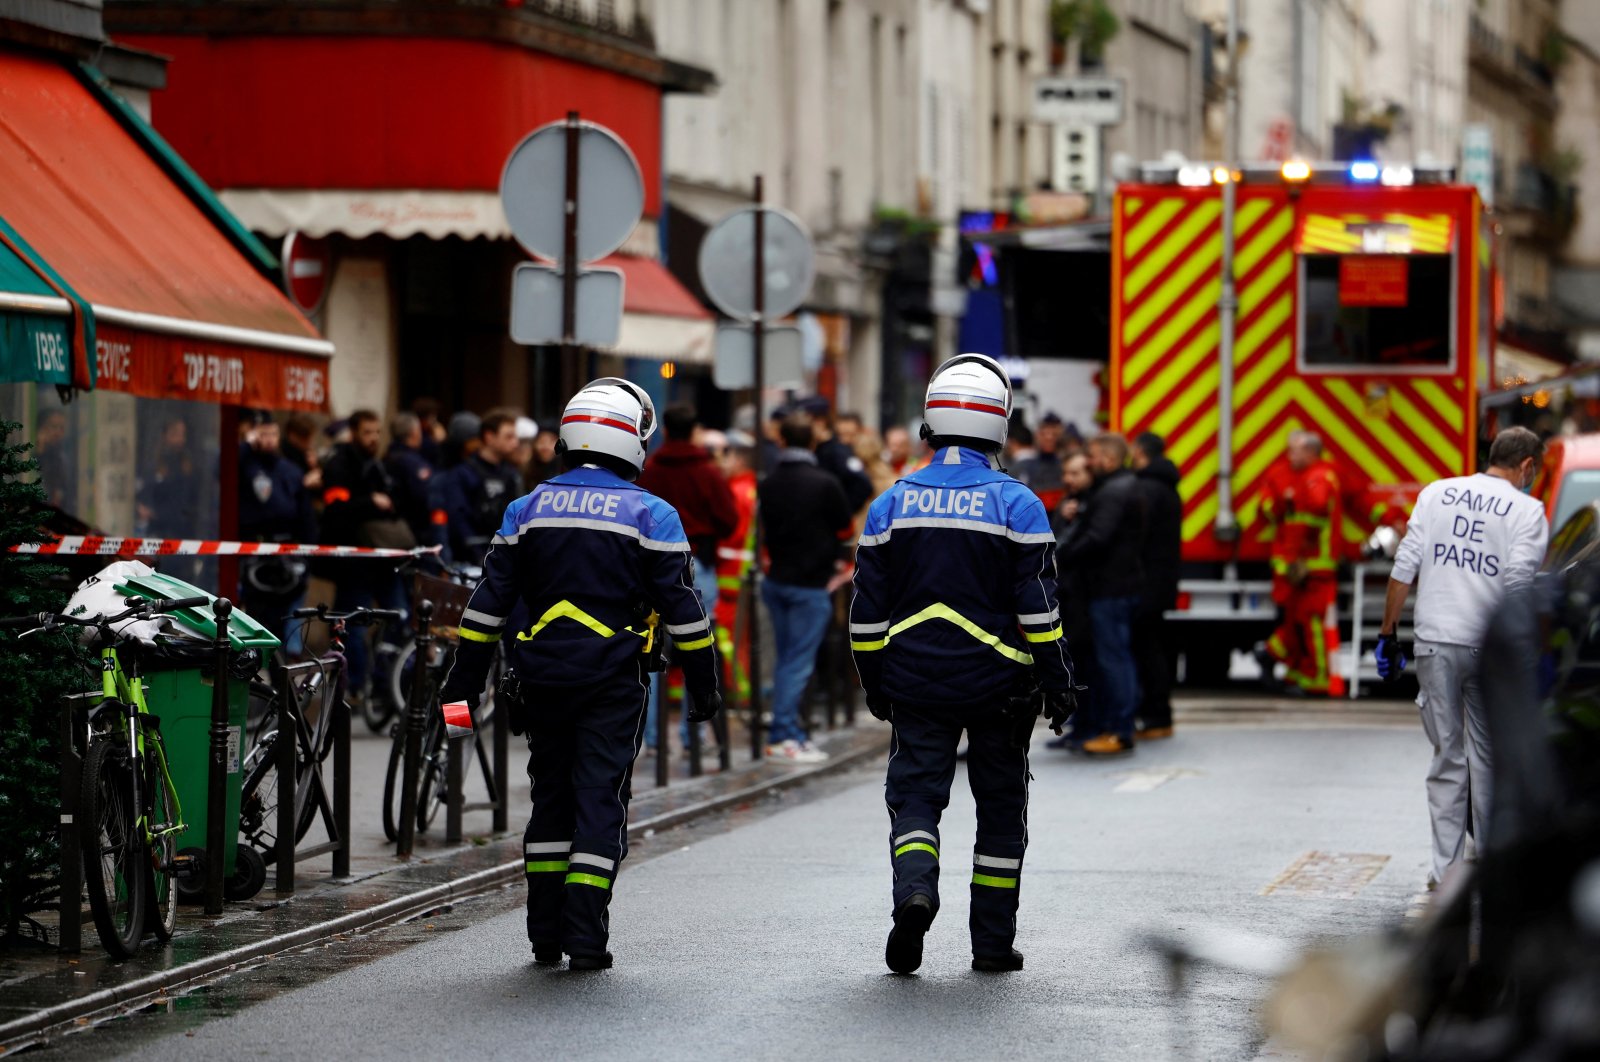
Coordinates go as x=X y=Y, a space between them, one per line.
x=294 y=700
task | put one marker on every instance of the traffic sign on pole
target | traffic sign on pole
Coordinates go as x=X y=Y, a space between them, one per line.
x=783 y=351
x=610 y=191
x=728 y=262
x=307 y=270
x=1078 y=100
x=537 y=294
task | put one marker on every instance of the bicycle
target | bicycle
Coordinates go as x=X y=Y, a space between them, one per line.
x=128 y=804
x=258 y=799
x=435 y=646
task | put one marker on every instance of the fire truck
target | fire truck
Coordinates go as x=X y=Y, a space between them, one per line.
x=1362 y=313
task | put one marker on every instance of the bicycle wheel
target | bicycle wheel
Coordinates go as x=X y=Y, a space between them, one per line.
x=116 y=867
x=258 y=798
x=434 y=790
x=388 y=695
x=391 y=782
x=162 y=914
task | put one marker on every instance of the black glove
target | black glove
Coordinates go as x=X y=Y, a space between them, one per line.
x=1060 y=706
x=878 y=705
x=703 y=707
x=459 y=688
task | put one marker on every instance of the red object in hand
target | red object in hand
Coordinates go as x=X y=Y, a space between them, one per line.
x=457 y=719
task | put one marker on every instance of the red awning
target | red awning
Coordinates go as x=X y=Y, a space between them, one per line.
x=647 y=287
x=179 y=311
x=660 y=319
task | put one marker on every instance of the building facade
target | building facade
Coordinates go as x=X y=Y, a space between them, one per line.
x=876 y=122
x=385 y=129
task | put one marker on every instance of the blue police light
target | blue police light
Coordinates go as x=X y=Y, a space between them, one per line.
x=1364 y=171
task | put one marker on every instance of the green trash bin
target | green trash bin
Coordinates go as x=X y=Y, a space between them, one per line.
x=178 y=690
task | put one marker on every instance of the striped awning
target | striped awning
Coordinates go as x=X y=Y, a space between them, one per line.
x=1375 y=234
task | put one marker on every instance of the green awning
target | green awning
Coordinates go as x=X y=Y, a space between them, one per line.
x=35 y=326
x=35 y=320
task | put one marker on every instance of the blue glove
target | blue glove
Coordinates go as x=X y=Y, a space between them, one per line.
x=1391 y=658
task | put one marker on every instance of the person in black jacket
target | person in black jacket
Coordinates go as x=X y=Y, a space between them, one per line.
x=359 y=510
x=1163 y=544
x=806 y=522
x=273 y=507
x=412 y=472
x=1110 y=548
x=1072 y=591
x=835 y=457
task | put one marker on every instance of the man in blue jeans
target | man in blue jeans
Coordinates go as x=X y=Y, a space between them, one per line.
x=806 y=523
x=1108 y=551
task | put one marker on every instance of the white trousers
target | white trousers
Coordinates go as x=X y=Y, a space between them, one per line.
x=1453 y=717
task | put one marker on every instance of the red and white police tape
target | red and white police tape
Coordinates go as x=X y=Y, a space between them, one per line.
x=113 y=546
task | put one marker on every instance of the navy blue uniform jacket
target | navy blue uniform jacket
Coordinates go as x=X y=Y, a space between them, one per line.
x=587 y=555
x=955 y=588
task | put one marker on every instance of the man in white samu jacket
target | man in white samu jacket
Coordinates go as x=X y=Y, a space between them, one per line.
x=1470 y=541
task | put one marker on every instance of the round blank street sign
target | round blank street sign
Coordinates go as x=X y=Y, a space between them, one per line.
x=727 y=263
x=610 y=191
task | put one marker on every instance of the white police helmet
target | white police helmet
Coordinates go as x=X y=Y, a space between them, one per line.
x=610 y=417
x=969 y=397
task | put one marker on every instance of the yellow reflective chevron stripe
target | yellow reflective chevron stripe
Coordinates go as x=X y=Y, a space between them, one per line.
x=565 y=610
x=1051 y=635
x=698 y=643
x=939 y=610
x=916 y=846
x=867 y=647
x=477 y=636
x=589 y=879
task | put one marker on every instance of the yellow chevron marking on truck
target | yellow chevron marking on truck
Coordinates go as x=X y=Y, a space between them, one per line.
x=1188 y=233
x=1162 y=387
x=1271 y=238
x=1447 y=407
x=1196 y=263
x=1264 y=372
x=1159 y=345
x=1404 y=407
x=1149 y=223
x=1344 y=392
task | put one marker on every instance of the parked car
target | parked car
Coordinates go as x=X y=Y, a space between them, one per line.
x=1569 y=478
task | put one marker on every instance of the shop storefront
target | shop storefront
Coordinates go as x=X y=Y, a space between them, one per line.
x=136 y=316
x=386 y=133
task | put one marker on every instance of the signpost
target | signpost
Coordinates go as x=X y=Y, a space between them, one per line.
x=755 y=264
x=307 y=270
x=572 y=193
x=1080 y=108
x=1078 y=100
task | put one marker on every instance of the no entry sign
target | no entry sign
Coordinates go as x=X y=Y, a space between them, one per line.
x=307 y=269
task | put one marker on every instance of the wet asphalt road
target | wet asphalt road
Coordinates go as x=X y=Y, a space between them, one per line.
x=766 y=940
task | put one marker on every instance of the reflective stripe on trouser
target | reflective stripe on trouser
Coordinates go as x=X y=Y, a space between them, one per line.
x=922 y=763
x=582 y=742
x=1459 y=778
x=1301 y=639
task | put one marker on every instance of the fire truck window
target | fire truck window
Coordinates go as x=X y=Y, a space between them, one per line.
x=1396 y=315
x=1578 y=488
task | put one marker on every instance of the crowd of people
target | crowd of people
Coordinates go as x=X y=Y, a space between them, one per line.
x=447 y=482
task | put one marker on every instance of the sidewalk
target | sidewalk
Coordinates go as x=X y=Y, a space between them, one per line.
x=41 y=988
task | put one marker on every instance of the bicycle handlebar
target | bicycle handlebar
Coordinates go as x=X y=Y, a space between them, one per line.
x=354 y=616
x=142 y=609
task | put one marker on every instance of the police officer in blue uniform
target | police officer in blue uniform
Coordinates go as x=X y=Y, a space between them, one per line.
x=595 y=570
x=955 y=627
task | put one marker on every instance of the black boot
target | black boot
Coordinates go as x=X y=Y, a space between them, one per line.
x=546 y=954
x=591 y=962
x=998 y=963
x=911 y=921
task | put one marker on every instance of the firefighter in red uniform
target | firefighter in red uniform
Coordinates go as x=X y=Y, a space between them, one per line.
x=1302 y=505
x=735 y=554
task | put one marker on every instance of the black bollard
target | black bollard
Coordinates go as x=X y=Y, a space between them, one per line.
x=217 y=776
